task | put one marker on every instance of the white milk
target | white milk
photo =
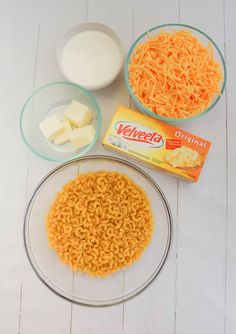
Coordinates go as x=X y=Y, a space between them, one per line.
x=91 y=59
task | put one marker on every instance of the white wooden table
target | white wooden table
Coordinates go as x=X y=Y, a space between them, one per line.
x=196 y=292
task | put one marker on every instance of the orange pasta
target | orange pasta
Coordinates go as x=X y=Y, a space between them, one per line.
x=99 y=223
x=174 y=75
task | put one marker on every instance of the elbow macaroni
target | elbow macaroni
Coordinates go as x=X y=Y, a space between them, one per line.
x=99 y=223
x=183 y=157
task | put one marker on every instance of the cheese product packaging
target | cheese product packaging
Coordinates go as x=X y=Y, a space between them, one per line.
x=157 y=144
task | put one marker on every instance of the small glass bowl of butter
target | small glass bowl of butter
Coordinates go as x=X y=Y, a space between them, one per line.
x=60 y=121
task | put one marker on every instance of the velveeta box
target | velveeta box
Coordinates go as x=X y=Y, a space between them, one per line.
x=157 y=144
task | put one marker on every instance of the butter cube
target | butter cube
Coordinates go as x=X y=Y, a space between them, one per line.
x=64 y=137
x=51 y=127
x=82 y=136
x=78 y=114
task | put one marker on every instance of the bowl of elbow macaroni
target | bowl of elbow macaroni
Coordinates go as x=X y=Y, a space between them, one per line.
x=97 y=230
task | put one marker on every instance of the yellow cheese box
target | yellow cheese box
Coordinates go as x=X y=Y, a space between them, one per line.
x=157 y=144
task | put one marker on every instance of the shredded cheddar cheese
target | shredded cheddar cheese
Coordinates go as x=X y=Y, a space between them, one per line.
x=174 y=75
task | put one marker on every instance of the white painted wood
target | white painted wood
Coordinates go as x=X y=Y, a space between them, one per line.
x=49 y=313
x=16 y=68
x=196 y=291
x=230 y=37
x=155 y=309
x=202 y=207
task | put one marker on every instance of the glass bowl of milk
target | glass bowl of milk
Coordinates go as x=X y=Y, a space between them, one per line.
x=90 y=55
x=49 y=105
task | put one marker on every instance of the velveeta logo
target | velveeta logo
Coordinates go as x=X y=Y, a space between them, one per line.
x=139 y=133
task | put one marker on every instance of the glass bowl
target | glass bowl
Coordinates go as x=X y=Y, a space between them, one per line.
x=49 y=99
x=86 y=27
x=81 y=288
x=204 y=39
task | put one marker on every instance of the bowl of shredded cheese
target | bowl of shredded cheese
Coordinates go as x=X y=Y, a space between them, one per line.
x=175 y=72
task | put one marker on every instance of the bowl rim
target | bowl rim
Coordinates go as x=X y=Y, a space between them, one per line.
x=73 y=156
x=146 y=110
x=81 y=301
x=88 y=26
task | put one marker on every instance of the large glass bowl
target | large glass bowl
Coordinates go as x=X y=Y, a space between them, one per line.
x=51 y=99
x=204 y=39
x=80 y=288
